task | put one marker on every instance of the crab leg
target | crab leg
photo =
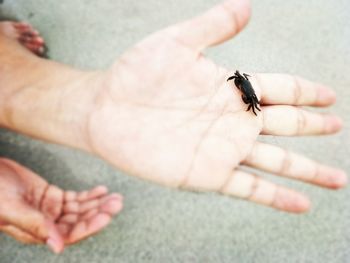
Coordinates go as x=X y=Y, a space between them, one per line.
x=253 y=108
x=250 y=105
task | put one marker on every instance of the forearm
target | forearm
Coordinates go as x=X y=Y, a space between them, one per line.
x=47 y=100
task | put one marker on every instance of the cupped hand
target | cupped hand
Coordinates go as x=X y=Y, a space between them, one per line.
x=167 y=114
x=34 y=212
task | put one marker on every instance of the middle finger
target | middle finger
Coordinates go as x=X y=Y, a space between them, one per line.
x=286 y=120
x=284 y=89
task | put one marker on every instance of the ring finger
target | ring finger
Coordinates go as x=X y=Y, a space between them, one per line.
x=253 y=188
x=279 y=161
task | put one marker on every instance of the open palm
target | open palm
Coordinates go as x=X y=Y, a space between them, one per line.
x=167 y=114
x=32 y=211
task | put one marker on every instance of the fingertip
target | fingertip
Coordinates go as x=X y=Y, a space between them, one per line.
x=302 y=204
x=54 y=240
x=339 y=179
x=299 y=204
x=243 y=9
x=55 y=246
x=326 y=96
x=112 y=207
x=115 y=208
x=291 y=201
x=215 y=26
x=330 y=177
x=99 y=222
x=333 y=123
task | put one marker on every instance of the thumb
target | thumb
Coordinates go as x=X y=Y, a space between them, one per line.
x=30 y=220
x=215 y=26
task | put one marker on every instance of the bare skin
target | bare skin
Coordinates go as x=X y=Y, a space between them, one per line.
x=164 y=112
x=33 y=211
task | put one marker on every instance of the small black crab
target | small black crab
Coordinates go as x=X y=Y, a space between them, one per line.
x=243 y=84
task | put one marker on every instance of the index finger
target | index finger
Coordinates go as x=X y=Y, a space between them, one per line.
x=284 y=89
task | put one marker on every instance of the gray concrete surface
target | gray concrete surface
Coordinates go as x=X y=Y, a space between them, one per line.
x=309 y=38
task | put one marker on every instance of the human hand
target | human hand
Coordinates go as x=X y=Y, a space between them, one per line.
x=32 y=211
x=167 y=114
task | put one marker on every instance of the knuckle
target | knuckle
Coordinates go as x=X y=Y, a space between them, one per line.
x=301 y=122
x=253 y=188
x=296 y=90
x=286 y=163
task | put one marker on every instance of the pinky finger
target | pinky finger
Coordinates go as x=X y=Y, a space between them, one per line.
x=253 y=188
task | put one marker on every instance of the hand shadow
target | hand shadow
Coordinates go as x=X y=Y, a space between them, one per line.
x=34 y=155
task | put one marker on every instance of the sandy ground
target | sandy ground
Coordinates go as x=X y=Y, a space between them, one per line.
x=308 y=38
